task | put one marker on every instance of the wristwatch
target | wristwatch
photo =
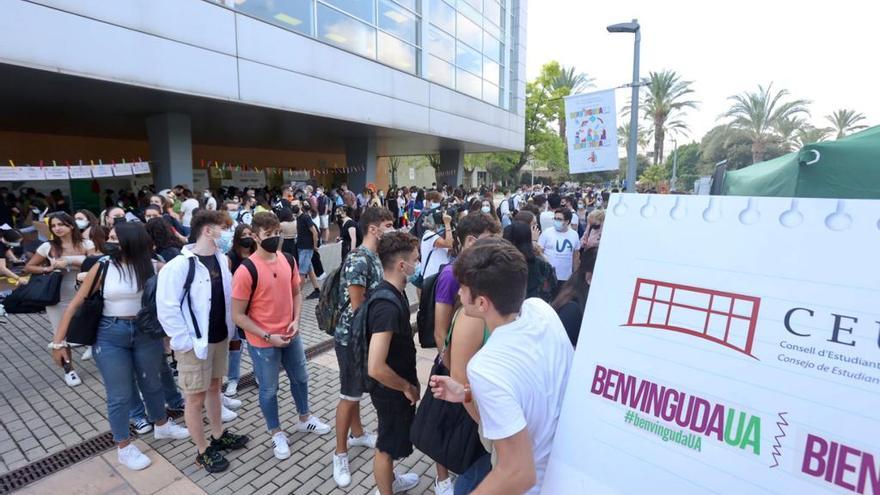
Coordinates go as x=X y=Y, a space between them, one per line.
x=266 y=337
x=55 y=346
x=468 y=397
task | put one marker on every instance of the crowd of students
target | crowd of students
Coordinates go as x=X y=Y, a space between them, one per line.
x=508 y=280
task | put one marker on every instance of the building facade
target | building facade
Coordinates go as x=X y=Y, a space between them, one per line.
x=320 y=85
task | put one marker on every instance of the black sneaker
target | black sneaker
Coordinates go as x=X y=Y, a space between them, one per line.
x=314 y=295
x=229 y=441
x=212 y=461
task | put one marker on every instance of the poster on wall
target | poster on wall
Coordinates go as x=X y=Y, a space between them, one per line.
x=739 y=355
x=32 y=173
x=121 y=169
x=246 y=178
x=57 y=173
x=591 y=132
x=102 y=170
x=200 y=179
x=10 y=174
x=80 y=172
x=296 y=175
x=140 y=167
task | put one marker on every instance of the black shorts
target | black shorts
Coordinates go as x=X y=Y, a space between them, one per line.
x=395 y=415
x=349 y=387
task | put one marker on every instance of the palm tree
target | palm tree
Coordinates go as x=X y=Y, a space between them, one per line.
x=787 y=131
x=643 y=135
x=757 y=113
x=664 y=104
x=845 y=121
x=809 y=134
x=568 y=81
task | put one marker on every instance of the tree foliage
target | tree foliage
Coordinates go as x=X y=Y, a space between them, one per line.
x=845 y=121
x=757 y=113
x=687 y=165
x=664 y=105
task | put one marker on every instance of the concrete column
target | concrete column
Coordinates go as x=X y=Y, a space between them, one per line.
x=170 y=150
x=451 y=168
x=360 y=153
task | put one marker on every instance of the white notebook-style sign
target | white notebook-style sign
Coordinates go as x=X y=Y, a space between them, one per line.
x=730 y=345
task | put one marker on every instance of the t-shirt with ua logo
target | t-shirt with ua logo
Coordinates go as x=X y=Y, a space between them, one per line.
x=559 y=249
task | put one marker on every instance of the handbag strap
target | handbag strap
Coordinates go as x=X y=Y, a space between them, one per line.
x=103 y=266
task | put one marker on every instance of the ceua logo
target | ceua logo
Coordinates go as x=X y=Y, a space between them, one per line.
x=724 y=318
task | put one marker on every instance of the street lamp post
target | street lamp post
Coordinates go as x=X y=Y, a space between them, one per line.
x=674 y=164
x=632 y=27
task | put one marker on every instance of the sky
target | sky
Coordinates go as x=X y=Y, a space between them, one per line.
x=824 y=52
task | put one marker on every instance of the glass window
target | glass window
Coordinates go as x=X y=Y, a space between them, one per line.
x=441 y=72
x=397 y=53
x=470 y=12
x=443 y=15
x=490 y=93
x=441 y=44
x=468 y=84
x=364 y=9
x=410 y=4
x=492 y=12
x=492 y=29
x=469 y=32
x=477 y=4
x=491 y=47
x=397 y=21
x=469 y=59
x=491 y=71
x=346 y=32
x=294 y=15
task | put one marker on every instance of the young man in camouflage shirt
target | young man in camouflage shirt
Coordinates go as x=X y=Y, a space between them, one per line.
x=361 y=272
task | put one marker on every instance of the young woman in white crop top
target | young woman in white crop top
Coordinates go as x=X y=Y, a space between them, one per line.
x=121 y=350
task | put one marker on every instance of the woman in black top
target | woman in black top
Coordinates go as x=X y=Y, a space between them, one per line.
x=349 y=230
x=243 y=246
x=572 y=298
x=166 y=242
x=542 y=276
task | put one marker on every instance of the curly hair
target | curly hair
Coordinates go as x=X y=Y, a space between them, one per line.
x=494 y=269
x=393 y=245
x=162 y=233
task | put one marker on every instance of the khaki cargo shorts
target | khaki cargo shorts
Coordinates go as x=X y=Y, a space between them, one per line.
x=194 y=375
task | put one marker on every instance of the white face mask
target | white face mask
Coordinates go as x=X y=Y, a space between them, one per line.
x=82 y=224
x=485 y=209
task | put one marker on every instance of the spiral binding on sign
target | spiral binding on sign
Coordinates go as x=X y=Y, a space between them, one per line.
x=752 y=211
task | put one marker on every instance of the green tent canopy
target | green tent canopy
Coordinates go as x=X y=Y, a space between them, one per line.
x=848 y=168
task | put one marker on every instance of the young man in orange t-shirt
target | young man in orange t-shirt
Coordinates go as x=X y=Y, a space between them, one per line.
x=269 y=314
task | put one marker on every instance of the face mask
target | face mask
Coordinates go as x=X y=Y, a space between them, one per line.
x=82 y=224
x=413 y=195
x=111 y=248
x=246 y=242
x=406 y=270
x=271 y=243
x=580 y=206
x=224 y=242
x=485 y=209
x=558 y=225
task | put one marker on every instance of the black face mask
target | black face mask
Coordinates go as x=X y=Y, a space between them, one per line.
x=119 y=220
x=111 y=248
x=271 y=243
x=246 y=242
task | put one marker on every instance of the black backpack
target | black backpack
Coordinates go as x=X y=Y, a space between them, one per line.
x=360 y=346
x=252 y=269
x=147 y=319
x=329 y=310
x=425 y=316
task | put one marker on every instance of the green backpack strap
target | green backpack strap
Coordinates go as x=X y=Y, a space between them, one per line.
x=486 y=333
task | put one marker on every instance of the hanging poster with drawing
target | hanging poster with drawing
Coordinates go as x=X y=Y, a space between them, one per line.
x=591 y=132
x=738 y=352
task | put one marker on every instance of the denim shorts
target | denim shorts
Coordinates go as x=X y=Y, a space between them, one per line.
x=349 y=388
x=305 y=260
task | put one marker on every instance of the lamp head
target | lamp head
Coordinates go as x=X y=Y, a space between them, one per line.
x=624 y=27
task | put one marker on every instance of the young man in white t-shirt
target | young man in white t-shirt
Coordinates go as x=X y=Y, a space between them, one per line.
x=561 y=245
x=517 y=380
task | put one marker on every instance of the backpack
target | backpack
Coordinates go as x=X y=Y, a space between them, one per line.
x=329 y=310
x=425 y=316
x=147 y=319
x=252 y=269
x=359 y=344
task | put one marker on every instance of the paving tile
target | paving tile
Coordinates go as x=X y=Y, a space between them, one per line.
x=94 y=476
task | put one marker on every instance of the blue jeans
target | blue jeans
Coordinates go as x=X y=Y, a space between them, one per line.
x=120 y=353
x=234 y=370
x=169 y=390
x=473 y=476
x=268 y=362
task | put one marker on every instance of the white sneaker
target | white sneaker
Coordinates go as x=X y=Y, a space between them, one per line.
x=231 y=388
x=341 y=471
x=226 y=415
x=313 y=425
x=445 y=487
x=404 y=482
x=87 y=354
x=170 y=431
x=132 y=458
x=230 y=403
x=282 y=450
x=367 y=440
x=71 y=378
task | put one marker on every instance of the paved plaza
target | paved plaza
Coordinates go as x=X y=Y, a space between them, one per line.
x=41 y=416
